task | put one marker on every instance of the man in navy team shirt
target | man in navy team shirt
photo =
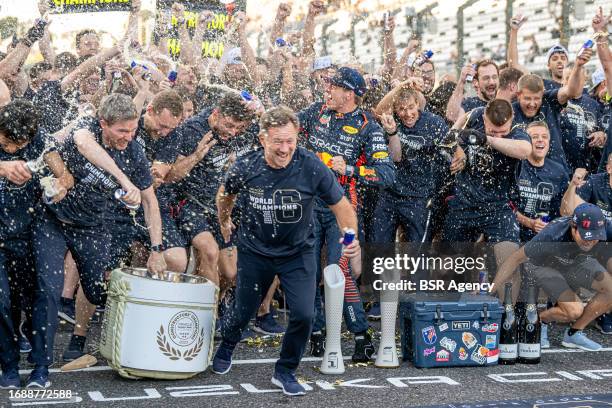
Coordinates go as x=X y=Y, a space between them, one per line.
x=210 y=142
x=162 y=115
x=103 y=157
x=599 y=25
x=21 y=140
x=413 y=138
x=536 y=104
x=596 y=189
x=565 y=257
x=541 y=183
x=279 y=186
x=483 y=188
x=581 y=136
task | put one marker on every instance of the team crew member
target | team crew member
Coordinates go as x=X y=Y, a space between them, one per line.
x=413 y=138
x=102 y=158
x=580 y=135
x=486 y=81
x=536 y=104
x=279 y=186
x=557 y=58
x=210 y=141
x=350 y=142
x=482 y=188
x=563 y=265
x=603 y=88
x=597 y=189
x=541 y=184
x=162 y=115
x=21 y=140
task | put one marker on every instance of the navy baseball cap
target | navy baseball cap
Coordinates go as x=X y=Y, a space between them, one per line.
x=590 y=222
x=350 y=79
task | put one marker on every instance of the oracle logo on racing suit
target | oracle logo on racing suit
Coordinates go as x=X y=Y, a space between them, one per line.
x=335 y=148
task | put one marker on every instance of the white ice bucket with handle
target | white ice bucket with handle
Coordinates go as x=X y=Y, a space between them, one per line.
x=158 y=327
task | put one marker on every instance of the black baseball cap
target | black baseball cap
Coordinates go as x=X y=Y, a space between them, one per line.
x=590 y=222
x=350 y=79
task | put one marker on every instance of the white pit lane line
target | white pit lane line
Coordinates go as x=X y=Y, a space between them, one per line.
x=307 y=359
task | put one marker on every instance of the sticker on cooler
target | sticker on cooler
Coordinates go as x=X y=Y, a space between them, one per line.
x=468 y=339
x=508 y=351
x=429 y=335
x=442 y=356
x=429 y=351
x=479 y=355
x=490 y=341
x=492 y=356
x=443 y=327
x=448 y=344
x=463 y=355
x=529 y=350
x=490 y=328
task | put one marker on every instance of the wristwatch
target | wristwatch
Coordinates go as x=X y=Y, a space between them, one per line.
x=157 y=248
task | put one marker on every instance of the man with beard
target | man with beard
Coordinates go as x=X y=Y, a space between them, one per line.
x=557 y=58
x=486 y=81
x=350 y=142
x=561 y=255
x=536 y=104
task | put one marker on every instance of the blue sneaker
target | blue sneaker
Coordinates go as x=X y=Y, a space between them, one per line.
x=24 y=343
x=604 y=323
x=247 y=334
x=39 y=378
x=10 y=379
x=544 y=343
x=288 y=383
x=222 y=362
x=266 y=324
x=580 y=340
x=374 y=313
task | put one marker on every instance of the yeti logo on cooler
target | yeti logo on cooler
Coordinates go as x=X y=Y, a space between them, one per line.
x=461 y=325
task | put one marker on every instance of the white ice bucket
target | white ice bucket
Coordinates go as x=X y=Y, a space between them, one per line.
x=158 y=327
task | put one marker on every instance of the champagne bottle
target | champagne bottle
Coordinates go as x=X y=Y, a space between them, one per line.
x=508 y=338
x=529 y=338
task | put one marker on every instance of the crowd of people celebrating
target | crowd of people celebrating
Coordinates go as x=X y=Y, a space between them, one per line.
x=251 y=167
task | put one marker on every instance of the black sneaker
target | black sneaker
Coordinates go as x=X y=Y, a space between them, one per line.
x=66 y=311
x=75 y=349
x=364 y=349
x=317 y=344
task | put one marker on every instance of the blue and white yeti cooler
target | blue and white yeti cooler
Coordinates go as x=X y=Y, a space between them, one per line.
x=450 y=329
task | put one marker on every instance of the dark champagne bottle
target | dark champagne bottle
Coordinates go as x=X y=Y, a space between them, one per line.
x=508 y=338
x=529 y=337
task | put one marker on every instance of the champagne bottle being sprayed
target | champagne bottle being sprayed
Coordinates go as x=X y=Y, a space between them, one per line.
x=119 y=194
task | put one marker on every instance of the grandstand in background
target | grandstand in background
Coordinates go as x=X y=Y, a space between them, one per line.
x=347 y=35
